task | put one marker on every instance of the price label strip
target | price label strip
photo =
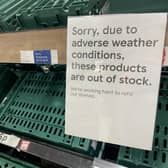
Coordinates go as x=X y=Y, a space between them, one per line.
x=9 y=140
x=43 y=57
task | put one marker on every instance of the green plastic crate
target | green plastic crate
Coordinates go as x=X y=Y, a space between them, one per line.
x=138 y=6
x=17 y=15
x=134 y=158
x=7 y=80
x=161 y=138
x=162 y=111
x=128 y=157
x=158 y=157
x=8 y=11
x=49 y=13
x=37 y=107
x=161 y=127
x=164 y=83
x=11 y=162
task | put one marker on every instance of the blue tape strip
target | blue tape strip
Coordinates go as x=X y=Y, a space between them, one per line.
x=42 y=56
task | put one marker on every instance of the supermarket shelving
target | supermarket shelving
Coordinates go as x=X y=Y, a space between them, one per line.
x=158 y=157
x=10 y=46
x=48 y=152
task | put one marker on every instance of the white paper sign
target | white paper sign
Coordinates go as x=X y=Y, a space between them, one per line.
x=113 y=75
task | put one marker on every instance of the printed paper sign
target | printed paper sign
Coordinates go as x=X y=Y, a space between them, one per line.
x=113 y=75
x=43 y=57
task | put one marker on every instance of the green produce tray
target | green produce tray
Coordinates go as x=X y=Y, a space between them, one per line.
x=134 y=158
x=8 y=11
x=37 y=107
x=158 y=157
x=164 y=83
x=161 y=138
x=7 y=80
x=161 y=126
x=49 y=13
x=11 y=162
x=136 y=6
x=129 y=157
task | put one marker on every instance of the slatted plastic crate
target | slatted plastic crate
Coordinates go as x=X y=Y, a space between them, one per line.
x=161 y=129
x=161 y=138
x=7 y=80
x=129 y=157
x=49 y=13
x=16 y=15
x=136 y=6
x=11 y=162
x=37 y=107
x=134 y=158
x=8 y=11
x=158 y=157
